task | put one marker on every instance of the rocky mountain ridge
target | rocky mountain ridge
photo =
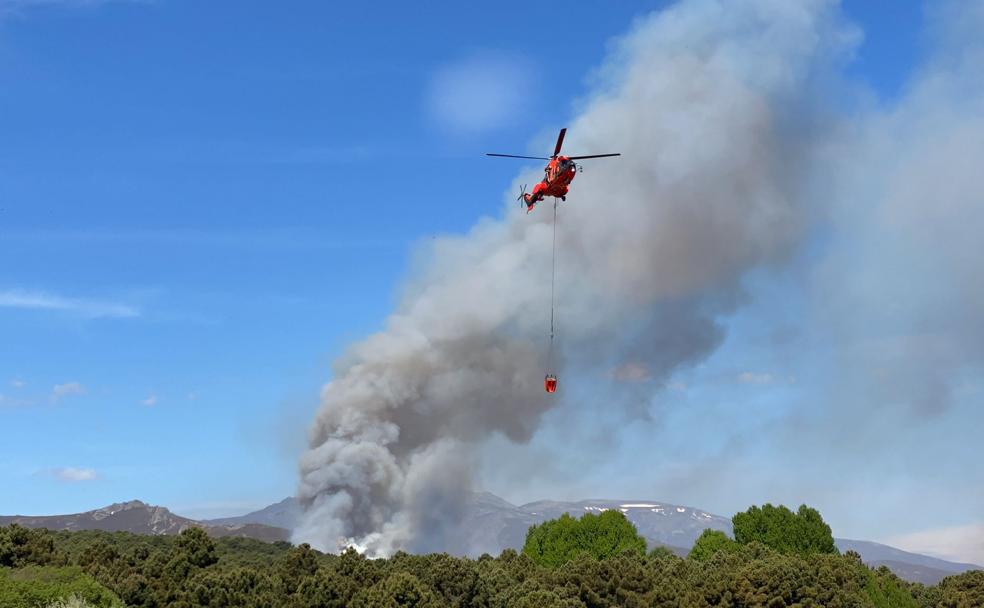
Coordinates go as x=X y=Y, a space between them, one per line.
x=139 y=517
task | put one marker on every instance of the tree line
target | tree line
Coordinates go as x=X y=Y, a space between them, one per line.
x=777 y=558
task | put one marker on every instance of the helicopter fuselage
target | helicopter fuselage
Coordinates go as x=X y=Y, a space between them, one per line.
x=559 y=173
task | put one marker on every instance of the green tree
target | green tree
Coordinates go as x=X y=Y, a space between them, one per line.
x=20 y=546
x=197 y=547
x=295 y=565
x=885 y=590
x=963 y=590
x=709 y=543
x=661 y=552
x=326 y=589
x=801 y=533
x=557 y=541
x=396 y=590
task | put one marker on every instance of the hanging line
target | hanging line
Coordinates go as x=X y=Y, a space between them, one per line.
x=553 y=275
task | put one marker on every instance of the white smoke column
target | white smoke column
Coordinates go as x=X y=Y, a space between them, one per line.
x=710 y=105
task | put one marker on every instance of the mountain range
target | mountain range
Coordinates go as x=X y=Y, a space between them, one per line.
x=140 y=518
x=491 y=524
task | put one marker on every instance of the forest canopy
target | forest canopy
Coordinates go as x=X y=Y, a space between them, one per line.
x=595 y=561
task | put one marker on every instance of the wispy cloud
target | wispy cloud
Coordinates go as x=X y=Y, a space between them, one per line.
x=18 y=4
x=18 y=7
x=68 y=389
x=480 y=92
x=280 y=238
x=8 y=401
x=74 y=474
x=756 y=378
x=959 y=543
x=18 y=383
x=35 y=300
x=150 y=401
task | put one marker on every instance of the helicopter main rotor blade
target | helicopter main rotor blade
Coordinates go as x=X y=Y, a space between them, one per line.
x=560 y=141
x=515 y=156
x=594 y=156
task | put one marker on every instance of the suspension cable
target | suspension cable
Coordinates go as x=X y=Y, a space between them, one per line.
x=553 y=275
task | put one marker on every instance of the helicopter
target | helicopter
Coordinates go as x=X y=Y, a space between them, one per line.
x=559 y=173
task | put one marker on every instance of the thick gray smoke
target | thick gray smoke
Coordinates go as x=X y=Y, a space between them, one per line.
x=906 y=271
x=712 y=106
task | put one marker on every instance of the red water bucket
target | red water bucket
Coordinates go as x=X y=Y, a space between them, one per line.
x=550 y=383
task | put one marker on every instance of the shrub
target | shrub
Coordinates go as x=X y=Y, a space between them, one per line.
x=34 y=586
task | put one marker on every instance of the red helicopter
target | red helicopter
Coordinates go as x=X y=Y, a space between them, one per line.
x=559 y=172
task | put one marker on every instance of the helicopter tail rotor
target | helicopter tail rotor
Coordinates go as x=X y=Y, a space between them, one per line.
x=526 y=199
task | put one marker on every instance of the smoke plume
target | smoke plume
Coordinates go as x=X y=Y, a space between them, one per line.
x=714 y=108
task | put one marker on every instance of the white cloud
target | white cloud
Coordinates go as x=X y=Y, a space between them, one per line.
x=33 y=300
x=956 y=543
x=478 y=93
x=18 y=383
x=74 y=474
x=67 y=389
x=151 y=400
x=756 y=378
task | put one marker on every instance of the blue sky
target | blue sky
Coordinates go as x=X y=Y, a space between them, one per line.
x=201 y=204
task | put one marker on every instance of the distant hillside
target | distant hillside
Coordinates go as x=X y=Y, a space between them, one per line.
x=132 y=516
x=491 y=525
x=910 y=566
x=283 y=514
x=140 y=518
